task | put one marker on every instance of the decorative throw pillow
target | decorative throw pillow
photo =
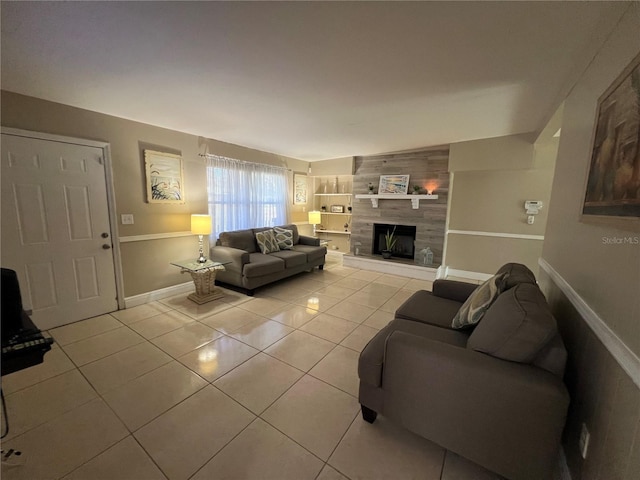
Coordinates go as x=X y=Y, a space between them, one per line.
x=284 y=237
x=479 y=301
x=267 y=241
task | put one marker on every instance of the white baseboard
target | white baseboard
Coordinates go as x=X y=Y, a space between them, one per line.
x=158 y=294
x=383 y=266
x=453 y=272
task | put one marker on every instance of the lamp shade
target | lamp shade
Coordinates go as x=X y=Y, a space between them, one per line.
x=314 y=217
x=201 y=224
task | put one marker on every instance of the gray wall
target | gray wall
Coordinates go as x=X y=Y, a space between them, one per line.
x=606 y=276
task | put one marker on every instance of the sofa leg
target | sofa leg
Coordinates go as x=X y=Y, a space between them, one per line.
x=321 y=267
x=368 y=415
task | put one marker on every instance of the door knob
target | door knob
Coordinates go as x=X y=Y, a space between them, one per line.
x=106 y=246
x=105 y=235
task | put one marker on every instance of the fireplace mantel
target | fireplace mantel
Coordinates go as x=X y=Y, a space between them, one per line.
x=415 y=199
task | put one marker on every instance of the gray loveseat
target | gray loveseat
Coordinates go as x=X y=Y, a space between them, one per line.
x=249 y=269
x=493 y=394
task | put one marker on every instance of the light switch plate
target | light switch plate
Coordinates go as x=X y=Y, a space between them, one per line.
x=126 y=218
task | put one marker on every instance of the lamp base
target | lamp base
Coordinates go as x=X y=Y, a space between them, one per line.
x=201 y=258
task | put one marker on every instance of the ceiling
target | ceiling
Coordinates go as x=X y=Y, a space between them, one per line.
x=309 y=80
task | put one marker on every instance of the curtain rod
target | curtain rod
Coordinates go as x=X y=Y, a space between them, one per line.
x=241 y=161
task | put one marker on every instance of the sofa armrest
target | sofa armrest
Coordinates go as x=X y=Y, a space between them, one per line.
x=453 y=290
x=237 y=257
x=474 y=404
x=306 y=240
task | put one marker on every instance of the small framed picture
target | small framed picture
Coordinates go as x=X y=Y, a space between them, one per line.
x=337 y=208
x=393 y=184
x=300 y=188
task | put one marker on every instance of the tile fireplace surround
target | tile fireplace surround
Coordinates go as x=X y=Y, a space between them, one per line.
x=426 y=166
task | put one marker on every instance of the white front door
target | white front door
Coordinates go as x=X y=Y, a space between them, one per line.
x=55 y=229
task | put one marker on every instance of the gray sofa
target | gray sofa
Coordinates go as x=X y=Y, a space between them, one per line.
x=493 y=394
x=249 y=269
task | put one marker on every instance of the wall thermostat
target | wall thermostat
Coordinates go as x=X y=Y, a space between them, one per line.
x=533 y=207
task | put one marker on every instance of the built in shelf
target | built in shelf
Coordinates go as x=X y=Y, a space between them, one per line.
x=334 y=213
x=415 y=199
x=333 y=194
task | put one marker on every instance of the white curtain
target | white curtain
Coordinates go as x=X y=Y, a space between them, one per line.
x=245 y=195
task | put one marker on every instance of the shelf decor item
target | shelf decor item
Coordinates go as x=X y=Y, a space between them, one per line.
x=393 y=184
x=371 y=187
x=165 y=178
x=416 y=189
x=337 y=208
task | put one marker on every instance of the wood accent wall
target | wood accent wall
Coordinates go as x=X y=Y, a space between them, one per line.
x=423 y=166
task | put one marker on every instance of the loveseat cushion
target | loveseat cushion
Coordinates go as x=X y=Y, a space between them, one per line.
x=241 y=239
x=260 y=264
x=474 y=308
x=516 y=327
x=291 y=258
x=372 y=356
x=267 y=242
x=516 y=274
x=425 y=307
x=313 y=253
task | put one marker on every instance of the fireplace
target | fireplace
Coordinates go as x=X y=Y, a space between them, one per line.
x=406 y=235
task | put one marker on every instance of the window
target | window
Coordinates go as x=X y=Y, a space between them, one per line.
x=245 y=195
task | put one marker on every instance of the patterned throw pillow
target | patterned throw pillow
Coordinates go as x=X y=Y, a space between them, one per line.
x=284 y=238
x=267 y=241
x=479 y=301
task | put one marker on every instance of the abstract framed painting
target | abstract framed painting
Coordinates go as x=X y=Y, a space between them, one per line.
x=300 y=189
x=612 y=193
x=165 y=177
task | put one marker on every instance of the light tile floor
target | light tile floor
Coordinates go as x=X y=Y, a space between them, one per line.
x=241 y=388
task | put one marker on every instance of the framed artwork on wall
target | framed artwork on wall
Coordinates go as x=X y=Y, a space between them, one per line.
x=612 y=193
x=393 y=184
x=300 y=189
x=165 y=177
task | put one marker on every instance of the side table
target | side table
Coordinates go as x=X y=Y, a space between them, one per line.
x=204 y=277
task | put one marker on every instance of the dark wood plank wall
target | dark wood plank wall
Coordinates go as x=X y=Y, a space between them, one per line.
x=423 y=166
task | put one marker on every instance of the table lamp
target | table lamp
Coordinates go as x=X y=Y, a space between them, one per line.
x=314 y=219
x=201 y=225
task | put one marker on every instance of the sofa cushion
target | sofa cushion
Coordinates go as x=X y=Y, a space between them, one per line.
x=425 y=307
x=479 y=301
x=241 y=239
x=284 y=237
x=313 y=253
x=261 y=264
x=516 y=273
x=516 y=327
x=267 y=241
x=291 y=258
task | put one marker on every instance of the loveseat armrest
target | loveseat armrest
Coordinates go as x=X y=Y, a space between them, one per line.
x=306 y=240
x=503 y=415
x=237 y=257
x=453 y=290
